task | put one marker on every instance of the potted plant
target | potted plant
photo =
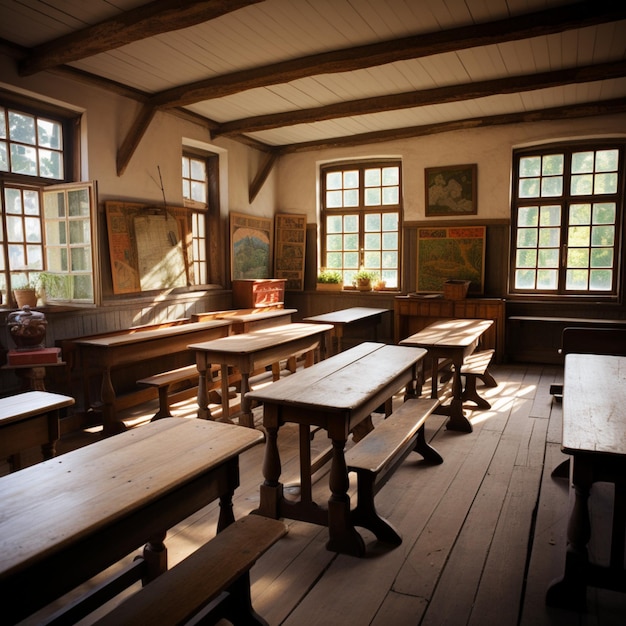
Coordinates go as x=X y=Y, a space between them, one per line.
x=364 y=279
x=330 y=280
x=25 y=292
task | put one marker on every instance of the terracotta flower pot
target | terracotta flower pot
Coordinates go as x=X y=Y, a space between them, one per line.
x=25 y=297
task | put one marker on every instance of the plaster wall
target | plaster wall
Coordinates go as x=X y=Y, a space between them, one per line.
x=490 y=148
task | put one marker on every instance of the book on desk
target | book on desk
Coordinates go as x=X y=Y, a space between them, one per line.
x=41 y=356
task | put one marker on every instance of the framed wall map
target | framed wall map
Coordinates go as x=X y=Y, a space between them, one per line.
x=149 y=247
x=251 y=241
x=446 y=253
x=289 y=249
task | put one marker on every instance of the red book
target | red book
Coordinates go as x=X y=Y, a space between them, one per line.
x=41 y=356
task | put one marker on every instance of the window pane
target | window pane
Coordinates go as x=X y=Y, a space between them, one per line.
x=351 y=224
x=80 y=232
x=372 y=197
x=604 y=213
x=22 y=128
x=530 y=166
x=552 y=165
x=50 y=164
x=525 y=279
x=334 y=199
x=605 y=183
x=391 y=195
x=49 y=134
x=198 y=169
x=582 y=162
x=4 y=157
x=372 y=241
x=529 y=187
x=576 y=280
x=528 y=216
x=600 y=280
x=578 y=236
x=547 y=279
x=582 y=185
x=527 y=238
x=333 y=180
x=607 y=160
x=372 y=222
x=23 y=160
x=548 y=258
x=78 y=202
x=351 y=179
x=603 y=236
x=391 y=175
x=390 y=221
x=373 y=177
x=334 y=224
x=351 y=197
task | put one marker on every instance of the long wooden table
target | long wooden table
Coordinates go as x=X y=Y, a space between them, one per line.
x=30 y=419
x=106 y=353
x=454 y=340
x=336 y=394
x=69 y=518
x=247 y=320
x=594 y=434
x=250 y=351
x=356 y=317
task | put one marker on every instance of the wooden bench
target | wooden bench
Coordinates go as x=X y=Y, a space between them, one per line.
x=164 y=383
x=30 y=419
x=476 y=365
x=376 y=457
x=214 y=580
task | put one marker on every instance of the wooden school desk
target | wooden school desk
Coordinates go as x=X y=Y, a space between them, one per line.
x=356 y=317
x=336 y=394
x=67 y=519
x=106 y=353
x=450 y=339
x=594 y=434
x=250 y=351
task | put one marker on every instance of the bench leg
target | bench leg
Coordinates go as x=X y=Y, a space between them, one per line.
x=426 y=450
x=488 y=379
x=470 y=394
x=164 y=404
x=238 y=606
x=365 y=514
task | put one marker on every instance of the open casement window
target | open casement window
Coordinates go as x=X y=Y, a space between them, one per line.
x=70 y=249
x=568 y=204
x=361 y=219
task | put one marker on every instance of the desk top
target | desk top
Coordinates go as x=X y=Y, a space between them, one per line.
x=257 y=340
x=29 y=403
x=50 y=506
x=342 y=382
x=251 y=315
x=594 y=404
x=346 y=316
x=150 y=335
x=452 y=333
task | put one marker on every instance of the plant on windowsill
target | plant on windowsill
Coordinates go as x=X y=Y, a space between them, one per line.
x=53 y=286
x=25 y=293
x=364 y=278
x=329 y=280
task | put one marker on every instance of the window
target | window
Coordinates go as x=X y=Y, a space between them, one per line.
x=196 y=195
x=46 y=231
x=567 y=216
x=361 y=217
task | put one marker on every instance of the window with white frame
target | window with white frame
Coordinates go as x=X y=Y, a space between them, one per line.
x=361 y=208
x=46 y=229
x=567 y=220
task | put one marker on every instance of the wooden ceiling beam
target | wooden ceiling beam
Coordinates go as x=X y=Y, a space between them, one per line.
x=425 y=97
x=151 y=19
x=578 y=15
x=591 y=109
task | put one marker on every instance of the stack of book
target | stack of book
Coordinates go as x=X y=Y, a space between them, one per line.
x=41 y=356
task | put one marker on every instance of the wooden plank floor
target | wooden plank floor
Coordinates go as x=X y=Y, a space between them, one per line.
x=483 y=533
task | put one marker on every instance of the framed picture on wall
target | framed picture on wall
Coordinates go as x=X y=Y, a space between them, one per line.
x=451 y=253
x=289 y=245
x=251 y=240
x=451 y=190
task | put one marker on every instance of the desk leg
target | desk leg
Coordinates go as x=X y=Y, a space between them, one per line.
x=109 y=414
x=155 y=558
x=272 y=488
x=570 y=591
x=204 y=412
x=247 y=419
x=457 y=420
x=342 y=535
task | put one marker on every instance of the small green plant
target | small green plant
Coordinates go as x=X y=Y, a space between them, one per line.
x=54 y=285
x=365 y=275
x=330 y=277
